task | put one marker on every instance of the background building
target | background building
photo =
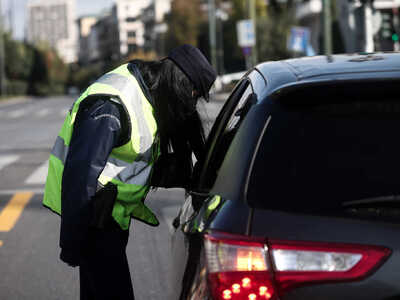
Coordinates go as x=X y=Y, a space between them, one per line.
x=357 y=25
x=130 y=28
x=53 y=22
x=153 y=18
x=85 y=24
x=107 y=38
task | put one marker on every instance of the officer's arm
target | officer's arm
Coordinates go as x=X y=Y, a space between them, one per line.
x=96 y=132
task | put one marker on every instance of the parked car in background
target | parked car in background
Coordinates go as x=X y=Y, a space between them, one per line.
x=298 y=196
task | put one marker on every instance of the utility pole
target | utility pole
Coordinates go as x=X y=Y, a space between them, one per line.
x=2 y=54
x=220 y=47
x=11 y=16
x=253 y=17
x=395 y=34
x=212 y=33
x=327 y=27
x=368 y=26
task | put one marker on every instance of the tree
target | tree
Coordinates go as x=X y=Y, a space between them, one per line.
x=49 y=74
x=18 y=65
x=183 y=23
x=273 y=31
x=19 y=59
x=37 y=70
x=57 y=71
x=234 y=59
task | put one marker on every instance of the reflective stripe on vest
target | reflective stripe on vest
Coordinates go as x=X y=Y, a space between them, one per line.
x=128 y=90
x=136 y=173
x=60 y=150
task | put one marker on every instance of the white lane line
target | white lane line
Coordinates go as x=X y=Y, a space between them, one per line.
x=17 y=113
x=6 y=160
x=39 y=175
x=14 y=191
x=43 y=112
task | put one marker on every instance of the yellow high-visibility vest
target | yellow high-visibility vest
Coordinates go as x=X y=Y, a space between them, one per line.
x=129 y=166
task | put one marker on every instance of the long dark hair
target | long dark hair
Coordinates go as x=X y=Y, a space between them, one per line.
x=179 y=124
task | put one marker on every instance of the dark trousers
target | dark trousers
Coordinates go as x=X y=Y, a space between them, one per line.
x=104 y=272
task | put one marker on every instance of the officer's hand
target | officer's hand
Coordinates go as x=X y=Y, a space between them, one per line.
x=72 y=257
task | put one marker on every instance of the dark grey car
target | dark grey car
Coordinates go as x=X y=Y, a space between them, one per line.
x=299 y=194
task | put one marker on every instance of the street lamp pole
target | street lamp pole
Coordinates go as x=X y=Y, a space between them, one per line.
x=220 y=47
x=327 y=27
x=212 y=33
x=253 y=17
x=368 y=26
x=2 y=54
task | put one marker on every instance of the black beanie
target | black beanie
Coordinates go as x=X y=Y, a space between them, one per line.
x=194 y=64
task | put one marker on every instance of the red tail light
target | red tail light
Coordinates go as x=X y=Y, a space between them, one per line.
x=241 y=268
x=238 y=268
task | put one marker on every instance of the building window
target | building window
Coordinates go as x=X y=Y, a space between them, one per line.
x=130 y=19
x=39 y=15
x=132 y=48
x=131 y=34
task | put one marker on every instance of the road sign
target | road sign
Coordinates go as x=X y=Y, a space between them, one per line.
x=245 y=33
x=299 y=39
x=246 y=51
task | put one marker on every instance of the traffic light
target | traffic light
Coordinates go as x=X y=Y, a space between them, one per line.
x=388 y=31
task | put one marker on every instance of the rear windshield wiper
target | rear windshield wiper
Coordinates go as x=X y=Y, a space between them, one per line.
x=383 y=201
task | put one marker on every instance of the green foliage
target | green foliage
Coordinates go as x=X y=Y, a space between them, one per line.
x=19 y=59
x=33 y=70
x=16 y=87
x=272 y=34
x=234 y=60
x=188 y=24
x=273 y=25
x=183 y=23
x=82 y=77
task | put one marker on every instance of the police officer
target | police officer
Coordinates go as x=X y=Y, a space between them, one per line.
x=135 y=127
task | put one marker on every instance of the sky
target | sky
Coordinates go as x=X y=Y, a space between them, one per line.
x=83 y=7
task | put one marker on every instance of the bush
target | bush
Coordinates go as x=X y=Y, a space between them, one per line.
x=49 y=74
x=84 y=76
x=16 y=87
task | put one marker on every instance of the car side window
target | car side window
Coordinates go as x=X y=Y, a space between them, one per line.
x=223 y=132
x=236 y=117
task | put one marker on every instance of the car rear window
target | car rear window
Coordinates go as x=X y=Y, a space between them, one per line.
x=328 y=157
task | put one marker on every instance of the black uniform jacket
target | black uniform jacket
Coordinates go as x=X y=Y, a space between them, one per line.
x=100 y=126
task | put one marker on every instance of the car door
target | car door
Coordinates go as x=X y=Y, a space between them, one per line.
x=185 y=240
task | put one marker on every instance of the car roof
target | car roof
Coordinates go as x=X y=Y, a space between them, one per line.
x=341 y=67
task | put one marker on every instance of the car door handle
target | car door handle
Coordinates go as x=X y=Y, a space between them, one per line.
x=176 y=222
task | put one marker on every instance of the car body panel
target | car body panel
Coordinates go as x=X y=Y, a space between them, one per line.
x=271 y=82
x=383 y=284
x=306 y=70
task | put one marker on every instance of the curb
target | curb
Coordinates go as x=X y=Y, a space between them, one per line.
x=15 y=100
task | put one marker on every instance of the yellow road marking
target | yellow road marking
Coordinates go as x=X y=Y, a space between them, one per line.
x=10 y=214
x=1 y=243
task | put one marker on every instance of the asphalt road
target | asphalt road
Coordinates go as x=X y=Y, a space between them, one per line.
x=30 y=268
